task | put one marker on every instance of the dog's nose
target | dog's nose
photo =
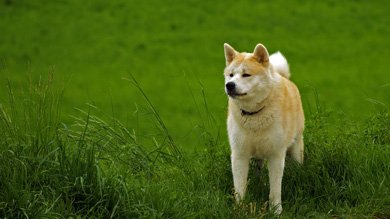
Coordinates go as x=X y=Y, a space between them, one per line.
x=230 y=86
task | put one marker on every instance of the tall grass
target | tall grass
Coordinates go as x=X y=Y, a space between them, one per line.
x=97 y=167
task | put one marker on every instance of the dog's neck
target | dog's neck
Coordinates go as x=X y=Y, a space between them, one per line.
x=246 y=113
x=254 y=109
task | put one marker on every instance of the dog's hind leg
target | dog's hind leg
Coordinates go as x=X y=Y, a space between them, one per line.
x=296 y=149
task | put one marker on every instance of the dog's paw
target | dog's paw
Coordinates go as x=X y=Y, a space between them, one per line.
x=276 y=209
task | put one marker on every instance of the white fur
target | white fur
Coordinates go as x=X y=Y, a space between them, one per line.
x=246 y=144
x=280 y=65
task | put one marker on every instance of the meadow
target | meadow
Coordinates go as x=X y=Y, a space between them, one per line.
x=117 y=109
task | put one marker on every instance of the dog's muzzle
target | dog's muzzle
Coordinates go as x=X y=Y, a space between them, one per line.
x=231 y=90
x=230 y=86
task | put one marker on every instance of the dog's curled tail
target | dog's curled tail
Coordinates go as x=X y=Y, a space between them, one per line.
x=279 y=64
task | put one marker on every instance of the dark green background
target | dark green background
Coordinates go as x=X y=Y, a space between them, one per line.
x=174 y=48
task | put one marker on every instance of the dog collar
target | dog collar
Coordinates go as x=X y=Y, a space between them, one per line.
x=246 y=113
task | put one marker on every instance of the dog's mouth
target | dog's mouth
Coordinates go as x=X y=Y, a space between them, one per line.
x=234 y=94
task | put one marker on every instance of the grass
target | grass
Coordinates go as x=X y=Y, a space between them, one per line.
x=98 y=168
x=338 y=48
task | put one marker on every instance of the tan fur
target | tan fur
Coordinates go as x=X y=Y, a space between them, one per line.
x=270 y=133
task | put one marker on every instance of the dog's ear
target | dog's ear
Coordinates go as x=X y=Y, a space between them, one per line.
x=261 y=54
x=230 y=53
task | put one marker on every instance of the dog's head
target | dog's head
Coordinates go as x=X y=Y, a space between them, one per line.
x=247 y=75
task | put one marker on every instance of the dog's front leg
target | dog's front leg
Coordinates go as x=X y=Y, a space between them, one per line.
x=240 y=166
x=275 y=168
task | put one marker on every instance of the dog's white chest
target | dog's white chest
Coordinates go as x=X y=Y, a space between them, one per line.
x=259 y=138
x=255 y=123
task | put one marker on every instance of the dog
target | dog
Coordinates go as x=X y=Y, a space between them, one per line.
x=265 y=117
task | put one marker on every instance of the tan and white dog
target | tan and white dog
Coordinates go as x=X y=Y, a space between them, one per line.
x=265 y=119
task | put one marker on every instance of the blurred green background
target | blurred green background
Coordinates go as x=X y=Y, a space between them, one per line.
x=339 y=49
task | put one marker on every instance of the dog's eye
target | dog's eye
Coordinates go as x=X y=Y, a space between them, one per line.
x=231 y=75
x=245 y=75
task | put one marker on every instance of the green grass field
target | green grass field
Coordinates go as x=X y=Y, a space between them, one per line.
x=79 y=138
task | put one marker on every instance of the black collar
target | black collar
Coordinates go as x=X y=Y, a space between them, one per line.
x=246 y=113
